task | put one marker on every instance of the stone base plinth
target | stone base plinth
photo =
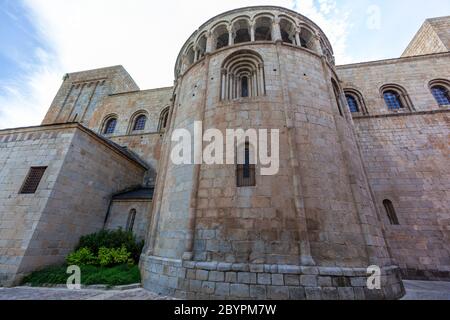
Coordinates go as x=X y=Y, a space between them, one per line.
x=212 y=280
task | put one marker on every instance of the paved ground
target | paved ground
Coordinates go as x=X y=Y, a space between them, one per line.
x=416 y=290
x=427 y=290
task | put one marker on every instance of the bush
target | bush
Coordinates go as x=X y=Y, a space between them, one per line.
x=83 y=256
x=110 y=257
x=90 y=275
x=112 y=240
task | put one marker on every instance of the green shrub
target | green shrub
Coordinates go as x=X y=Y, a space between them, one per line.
x=112 y=240
x=90 y=275
x=111 y=257
x=83 y=256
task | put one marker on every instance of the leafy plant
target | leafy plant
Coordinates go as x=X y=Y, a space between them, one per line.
x=90 y=275
x=83 y=256
x=110 y=257
x=112 y=240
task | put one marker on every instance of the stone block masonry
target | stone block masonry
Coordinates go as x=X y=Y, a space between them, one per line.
x=83 y=171
x=200 y=280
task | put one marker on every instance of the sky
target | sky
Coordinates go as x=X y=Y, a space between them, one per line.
x=41 y=40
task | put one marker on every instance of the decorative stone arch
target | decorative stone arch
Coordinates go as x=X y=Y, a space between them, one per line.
x=356 y=94
x=190 y=55
x=242 y=30
x=308 y=38
x=400 y=92
x=106 y=124
x=288 y=29
x=134 y=118
x=242 y=75
x=164 y=119
x=221 y=35
x=440 y=89
x=263 y=25
x=200 y=46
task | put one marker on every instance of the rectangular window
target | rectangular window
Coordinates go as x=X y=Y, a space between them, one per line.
x=33 y=179
x=246 y=173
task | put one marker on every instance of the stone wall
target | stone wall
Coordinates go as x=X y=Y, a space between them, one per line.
x=83 y=172
x=406 y=158
x=289 y=220
x=119 y=213
x=413 y=74
x=145 y=143
x=81 y=92
x=433 y=37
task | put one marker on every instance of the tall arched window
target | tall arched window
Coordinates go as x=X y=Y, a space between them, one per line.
x=355 y=101
x=163 y=120
x=263 y=29
x=393 y=100
x=441 y=95
x=139 y=123
x=287 y=29
x=390 y=211
x=130 y=221
x=222 y=36
x=352 y=103
x=396 y=97
x=243 y=76
x=337 y=95
x=242 y=31
x=110 y=126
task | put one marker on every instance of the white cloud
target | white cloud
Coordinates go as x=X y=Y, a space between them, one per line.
x=333 y=21
x=144 y=36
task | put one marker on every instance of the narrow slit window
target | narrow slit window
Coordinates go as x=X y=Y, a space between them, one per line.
x=390 y=210
x=244 y=87
x=33 y=180
x=246 y=173
x=131 y=220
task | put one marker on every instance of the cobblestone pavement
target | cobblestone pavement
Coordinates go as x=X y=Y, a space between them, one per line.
x=27 y=293
x=416 y=290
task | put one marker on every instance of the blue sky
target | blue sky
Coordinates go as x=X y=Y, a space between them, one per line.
x=40 y=40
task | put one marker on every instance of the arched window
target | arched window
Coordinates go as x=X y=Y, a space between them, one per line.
x=287 y=29
x=110 y=126
x=355 y=101
x=242 y=31
x=139 y=123
x=190 y=56
x=201 y=47
x=396 y=97
x=246 y=171
x=337 y=96
x=392 y=100
x=243 y=76
x=306 y=39
x=441 y=95
x=352 y=103
x=163 y=120
x=130 y=221
x=222 y=36
x=263 y=29
x=390 y=211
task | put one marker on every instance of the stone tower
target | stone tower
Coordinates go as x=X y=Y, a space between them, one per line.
x=309 y=232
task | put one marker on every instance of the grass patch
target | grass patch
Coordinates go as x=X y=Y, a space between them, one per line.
x=90 y=275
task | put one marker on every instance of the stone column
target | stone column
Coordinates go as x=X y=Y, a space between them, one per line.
x=223 y=84
x=276 y=31
x=209 y=43
x=230 y=36
x=297 y=37
x=252 y=32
